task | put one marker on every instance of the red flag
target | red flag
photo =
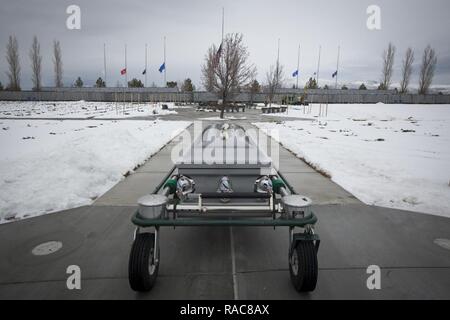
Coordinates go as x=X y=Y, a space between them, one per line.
x=123 y=71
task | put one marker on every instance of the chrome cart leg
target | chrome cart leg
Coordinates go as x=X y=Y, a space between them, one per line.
x=156 y=246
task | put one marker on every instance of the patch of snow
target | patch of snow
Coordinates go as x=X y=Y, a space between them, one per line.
x=224 y=119
x=49 y=165
x=82 y=109
x=388 y=155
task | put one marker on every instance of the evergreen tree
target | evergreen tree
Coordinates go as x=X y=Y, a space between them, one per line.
x=382 y=87
x=171 y=84
x=78 y=83
x=135 y=83
x=187 y=86
x=100 y=83
x=254 y=88
x=311 y=84
x=362 y=87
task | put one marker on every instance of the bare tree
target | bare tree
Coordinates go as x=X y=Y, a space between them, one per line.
x=406 y=70
x=388 y=63
x=57 y=61
x=36 y=62
x=429 y=61
x=227 y=69
x=12 y=57
x=274 y=78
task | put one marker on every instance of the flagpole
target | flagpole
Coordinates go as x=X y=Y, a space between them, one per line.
x=318 y=67
x=298 y=63
x=145 y=81
x=126 y=70
x=337 y=66
x=223 y=22
x=165 y=66
x=104 y=61
x=278 y=60
x=278 y=57
x=278 y=52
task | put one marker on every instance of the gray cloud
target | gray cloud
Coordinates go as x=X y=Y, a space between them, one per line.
x=192 y=26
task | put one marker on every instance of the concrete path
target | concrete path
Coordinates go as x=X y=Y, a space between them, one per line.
x=196 y=263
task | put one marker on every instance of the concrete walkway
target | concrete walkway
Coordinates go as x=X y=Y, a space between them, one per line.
x=196 y=263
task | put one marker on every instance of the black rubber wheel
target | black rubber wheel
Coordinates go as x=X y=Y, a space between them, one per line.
x=303 y=266
x=142 y=267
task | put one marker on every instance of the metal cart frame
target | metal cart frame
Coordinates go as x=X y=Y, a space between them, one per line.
x=268 y=211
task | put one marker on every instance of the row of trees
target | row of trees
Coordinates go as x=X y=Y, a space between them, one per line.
x=100 y=83
x=12 y=58
x=14 y=70
x=226 y=70
x=187 y=85
x=426 y=73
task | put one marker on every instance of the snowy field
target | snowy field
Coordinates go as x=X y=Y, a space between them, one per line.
x=82 y=109
x=223 y=119
x=51 y=165
x=387 y=155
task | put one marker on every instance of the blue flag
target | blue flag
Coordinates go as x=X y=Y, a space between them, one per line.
x=295 y=73
x=334 y=74
x=163 y=66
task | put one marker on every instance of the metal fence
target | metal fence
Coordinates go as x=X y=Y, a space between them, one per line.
x=173 y=95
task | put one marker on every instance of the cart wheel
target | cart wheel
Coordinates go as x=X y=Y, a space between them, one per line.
x=303 y=266
x=143 y=267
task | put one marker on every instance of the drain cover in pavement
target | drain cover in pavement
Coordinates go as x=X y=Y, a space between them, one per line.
x=444 y=243
x=46 y=248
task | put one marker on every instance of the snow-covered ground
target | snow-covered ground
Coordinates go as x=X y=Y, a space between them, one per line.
x=387 y=155
x=51 y=165
x=292 y=112
x=82 y=109
x=223 y=119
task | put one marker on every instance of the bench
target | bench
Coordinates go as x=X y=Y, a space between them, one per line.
x=273 y=109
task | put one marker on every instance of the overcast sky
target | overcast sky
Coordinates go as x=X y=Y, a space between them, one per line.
x=191 y=26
